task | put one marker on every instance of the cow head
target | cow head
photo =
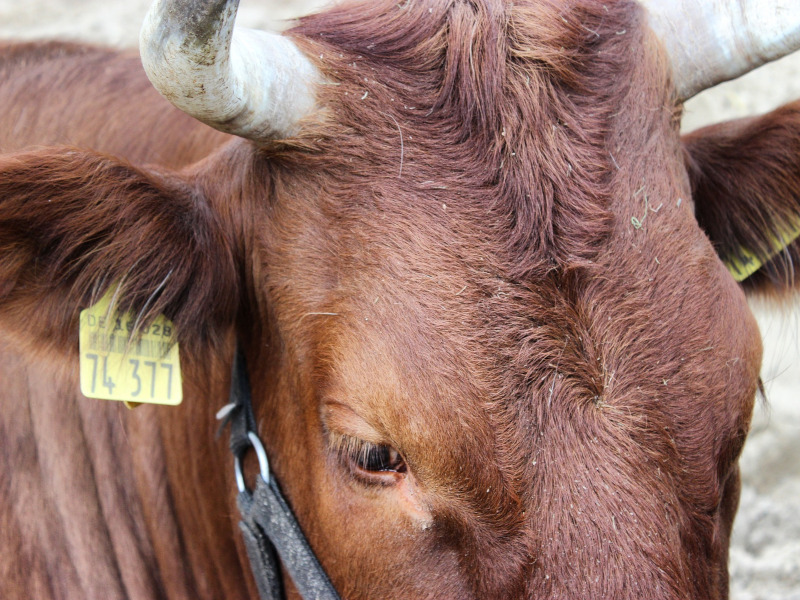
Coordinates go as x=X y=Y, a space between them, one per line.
x=494 y=351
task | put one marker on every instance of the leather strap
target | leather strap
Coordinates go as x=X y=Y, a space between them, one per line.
x=263 y=560
x=268 y=518
x=240 y=414
x=268 y=524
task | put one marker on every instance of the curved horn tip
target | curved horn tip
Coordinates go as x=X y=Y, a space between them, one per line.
x=252 y=84
x=712 y=41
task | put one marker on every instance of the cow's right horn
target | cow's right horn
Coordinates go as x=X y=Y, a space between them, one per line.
x=252 y=84
x=711 y=41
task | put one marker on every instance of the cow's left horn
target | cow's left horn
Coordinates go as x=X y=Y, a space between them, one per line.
x=711 y=41
x=253 y=84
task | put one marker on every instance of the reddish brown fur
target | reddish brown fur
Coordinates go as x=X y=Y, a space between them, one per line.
x=62 y=93
x=444 y=262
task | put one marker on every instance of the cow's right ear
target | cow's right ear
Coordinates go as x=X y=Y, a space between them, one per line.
x=73 y=223
x=745 y=179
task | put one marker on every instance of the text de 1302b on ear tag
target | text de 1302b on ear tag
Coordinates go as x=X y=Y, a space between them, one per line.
x=117 y=366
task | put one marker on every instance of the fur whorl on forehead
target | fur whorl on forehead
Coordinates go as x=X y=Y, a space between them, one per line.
x=500 y=110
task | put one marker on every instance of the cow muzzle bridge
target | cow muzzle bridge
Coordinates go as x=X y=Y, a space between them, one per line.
x=270 y=529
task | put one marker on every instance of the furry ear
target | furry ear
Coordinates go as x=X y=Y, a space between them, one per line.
x=745 y=179
x=72 y=223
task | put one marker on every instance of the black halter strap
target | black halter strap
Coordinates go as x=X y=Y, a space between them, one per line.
x=269 y=527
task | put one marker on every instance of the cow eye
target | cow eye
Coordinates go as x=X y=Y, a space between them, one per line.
x=368 y=459
x=376 y=459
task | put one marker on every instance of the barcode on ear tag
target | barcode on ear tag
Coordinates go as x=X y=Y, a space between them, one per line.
x=116 y=366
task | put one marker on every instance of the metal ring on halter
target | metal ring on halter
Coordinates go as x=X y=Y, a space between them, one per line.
x=263 y=462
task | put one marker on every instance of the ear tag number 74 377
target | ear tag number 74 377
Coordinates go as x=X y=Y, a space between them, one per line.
x=114 y=366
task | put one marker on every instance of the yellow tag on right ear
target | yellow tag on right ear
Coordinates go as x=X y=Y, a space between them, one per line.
x=114 y=366
x=747 y=263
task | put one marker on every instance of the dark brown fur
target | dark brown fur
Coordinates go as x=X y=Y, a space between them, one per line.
x=445 y=258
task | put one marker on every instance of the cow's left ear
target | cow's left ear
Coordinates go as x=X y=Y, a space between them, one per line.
x=74 y=223
x=745 y=179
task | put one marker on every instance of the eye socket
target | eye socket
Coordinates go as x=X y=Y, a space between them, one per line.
x=367 y=459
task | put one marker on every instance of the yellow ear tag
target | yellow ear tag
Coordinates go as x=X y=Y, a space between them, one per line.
x=115 y=367
x=747 y=263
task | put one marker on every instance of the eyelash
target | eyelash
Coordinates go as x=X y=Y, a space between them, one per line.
x=366 y=459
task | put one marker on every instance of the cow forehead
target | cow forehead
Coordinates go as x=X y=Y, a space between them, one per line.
x=479 y=220
x=500 y=119
x=418 y=329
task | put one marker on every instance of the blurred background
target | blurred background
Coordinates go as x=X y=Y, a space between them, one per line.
x=765 y=557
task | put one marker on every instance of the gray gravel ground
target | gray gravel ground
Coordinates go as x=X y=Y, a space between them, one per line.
x=765 y=557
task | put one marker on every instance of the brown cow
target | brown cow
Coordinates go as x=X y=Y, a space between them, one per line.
x=494 y=351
